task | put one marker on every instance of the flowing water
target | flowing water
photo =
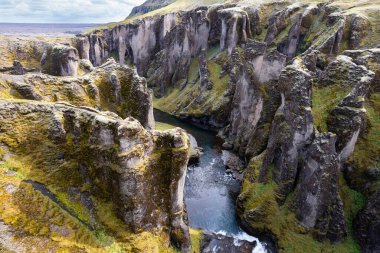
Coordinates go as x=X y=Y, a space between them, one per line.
x=210 y=193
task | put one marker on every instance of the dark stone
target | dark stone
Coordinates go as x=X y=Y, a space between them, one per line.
x=367 y=225
x=217 y=243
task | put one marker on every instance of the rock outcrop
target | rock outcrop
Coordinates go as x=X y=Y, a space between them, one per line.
x=109 y=87
x=317 y=199
x=291 y=131
x=60 y=60
x=349 y=118
x=141 y=172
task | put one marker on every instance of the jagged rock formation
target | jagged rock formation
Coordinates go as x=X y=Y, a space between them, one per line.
x=300 y=160
x=269 y=78
x=317 y=201
x=141 y=172
x=255 y=98
x=348 y=119
x=110 y=87
x=292 y=129
x=60 y=60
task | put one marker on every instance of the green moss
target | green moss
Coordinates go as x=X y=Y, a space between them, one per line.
x=353 y=201
x=163 y=126
x=266 y=215
x=193 y=100
x=196 y=240
x=324 y=100
x=367 y=149
x=75 y=206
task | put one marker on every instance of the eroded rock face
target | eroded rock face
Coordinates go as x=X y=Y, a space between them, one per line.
x=348 y=119
x=317 y=201
x=367 y=224
x=291 y=130
x=142 y=172
x=109 y=87
x=60 y=60
x=255 y=99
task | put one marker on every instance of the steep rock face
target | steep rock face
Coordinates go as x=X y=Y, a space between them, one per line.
x=110 y=87
x=255 y=98
x=301 y=171
x=141 y=172
x=174 y=41
x=317 y=200
x=229 y=25
x=348 y=119
x=367 y=224
x=291 y=130
x=235 y=28
x=60 y=60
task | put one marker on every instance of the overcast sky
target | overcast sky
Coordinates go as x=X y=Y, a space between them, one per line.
x=65 y=11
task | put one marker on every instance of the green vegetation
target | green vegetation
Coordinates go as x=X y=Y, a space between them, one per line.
x=163 y=126
x=35 y=157
x=196 y=239
x=192 y=99
x=324 y=100
x=260 y=200
x=353 y=202
x=367 y=149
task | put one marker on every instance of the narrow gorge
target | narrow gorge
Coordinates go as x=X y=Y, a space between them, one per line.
x=203 y=126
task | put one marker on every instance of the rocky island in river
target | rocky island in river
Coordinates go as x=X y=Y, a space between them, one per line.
x=195 y=126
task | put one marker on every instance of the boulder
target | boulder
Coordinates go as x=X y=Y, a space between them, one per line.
x=18 y=69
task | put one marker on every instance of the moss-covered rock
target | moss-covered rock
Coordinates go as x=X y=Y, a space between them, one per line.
x=110 y=87
x=60 y=60
x=141 y=173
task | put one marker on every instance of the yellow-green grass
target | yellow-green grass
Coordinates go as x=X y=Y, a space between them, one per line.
x=196 y=240
x=281 y=221
x=177 y=100
x=161 y=126
x=367 y=149
x=324 y=100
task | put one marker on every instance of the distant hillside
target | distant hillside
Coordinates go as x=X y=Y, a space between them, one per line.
x=148 y=6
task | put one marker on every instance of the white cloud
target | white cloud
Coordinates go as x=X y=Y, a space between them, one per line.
x=66 y=11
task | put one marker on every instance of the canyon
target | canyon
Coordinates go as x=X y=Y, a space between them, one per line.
x=290 y=89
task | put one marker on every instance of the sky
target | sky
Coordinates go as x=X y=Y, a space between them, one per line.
x=65 y=11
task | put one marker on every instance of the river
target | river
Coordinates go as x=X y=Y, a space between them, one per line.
x=210 y=193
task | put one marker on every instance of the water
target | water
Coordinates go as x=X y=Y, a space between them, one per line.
x=43 y=29
x=210 y=193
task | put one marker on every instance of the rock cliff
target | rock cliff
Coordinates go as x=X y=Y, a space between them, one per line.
x=268 y=78
x=291 y=87
x=141 y=173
